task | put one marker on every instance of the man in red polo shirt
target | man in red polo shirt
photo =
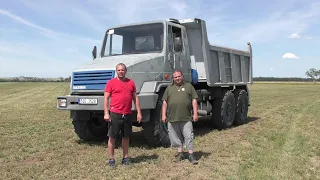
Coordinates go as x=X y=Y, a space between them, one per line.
x=122 y=92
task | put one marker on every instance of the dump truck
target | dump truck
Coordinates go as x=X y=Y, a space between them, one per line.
x=152 y=51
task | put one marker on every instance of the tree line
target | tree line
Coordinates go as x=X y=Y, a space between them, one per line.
x=278 y=79
x=285 y=79
x=312 y=74
x=35 y=79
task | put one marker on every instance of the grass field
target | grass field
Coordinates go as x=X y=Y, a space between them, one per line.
x=282 y=140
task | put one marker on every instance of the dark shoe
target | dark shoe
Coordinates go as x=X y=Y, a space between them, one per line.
x=192 y=159
x=112 y=163
x=126 y=161
x=180 y=157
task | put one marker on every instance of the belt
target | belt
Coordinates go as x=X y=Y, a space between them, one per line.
x=122 y=115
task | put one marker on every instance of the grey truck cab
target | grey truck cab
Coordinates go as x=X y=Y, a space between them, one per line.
x=151 y=51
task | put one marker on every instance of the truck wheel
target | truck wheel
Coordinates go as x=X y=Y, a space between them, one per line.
x=223 y=111
x=241 y=116
x=155 y=131
x=95 y=129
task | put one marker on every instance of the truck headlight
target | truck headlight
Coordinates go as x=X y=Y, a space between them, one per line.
x=62 y=102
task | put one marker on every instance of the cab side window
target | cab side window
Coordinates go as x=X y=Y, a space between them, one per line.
x=173 y=34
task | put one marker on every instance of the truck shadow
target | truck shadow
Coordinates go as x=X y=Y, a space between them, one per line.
x=200 y=154
x=137 y=140
x=197 y=154
x=144 y=158
x=204 y=125
x=201 y=128
x=252 y=119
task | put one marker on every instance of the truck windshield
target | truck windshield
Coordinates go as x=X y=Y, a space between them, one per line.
x=136 y=39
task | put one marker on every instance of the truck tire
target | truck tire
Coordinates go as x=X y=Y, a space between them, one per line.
x=93 y=129
x=223 y=111
x=155 y=131
x=241 y=116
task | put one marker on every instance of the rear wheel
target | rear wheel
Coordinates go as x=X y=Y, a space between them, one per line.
x=223 y=111
x=241 y=116
x=155 y=131
x=94 y=129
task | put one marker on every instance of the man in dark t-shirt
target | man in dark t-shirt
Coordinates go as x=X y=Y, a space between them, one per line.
x=179 y=99
x=122 y=92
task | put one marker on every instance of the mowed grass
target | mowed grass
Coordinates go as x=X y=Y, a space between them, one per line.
x=281 y=141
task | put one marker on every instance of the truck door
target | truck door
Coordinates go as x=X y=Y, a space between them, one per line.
x=177 y=50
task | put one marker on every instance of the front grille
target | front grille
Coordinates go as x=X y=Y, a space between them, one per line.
x=91 y=80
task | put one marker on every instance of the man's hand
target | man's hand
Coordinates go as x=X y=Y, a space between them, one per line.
x=195 y=110
x=164 y=118
x=107 y=117
x=164 y=111
x=195 y=117
x=139 y=117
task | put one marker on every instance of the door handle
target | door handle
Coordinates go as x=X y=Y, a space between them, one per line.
x=171 y=60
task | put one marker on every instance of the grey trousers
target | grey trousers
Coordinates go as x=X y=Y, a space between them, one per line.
x=181 y=134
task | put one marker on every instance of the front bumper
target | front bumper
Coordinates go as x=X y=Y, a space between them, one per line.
x=72 y=102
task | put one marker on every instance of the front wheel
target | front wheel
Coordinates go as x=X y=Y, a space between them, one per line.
x=155 y=131
x=94 y=129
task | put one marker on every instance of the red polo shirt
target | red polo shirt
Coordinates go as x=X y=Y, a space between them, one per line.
x=121 y=95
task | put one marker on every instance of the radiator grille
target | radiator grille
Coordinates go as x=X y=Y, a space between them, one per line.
x=91 y=80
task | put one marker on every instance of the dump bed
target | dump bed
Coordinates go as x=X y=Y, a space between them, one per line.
x=216 y=65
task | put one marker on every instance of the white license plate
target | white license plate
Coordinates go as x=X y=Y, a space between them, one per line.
x=88 y=101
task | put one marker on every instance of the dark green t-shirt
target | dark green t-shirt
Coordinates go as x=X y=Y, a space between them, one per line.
x=179 y=100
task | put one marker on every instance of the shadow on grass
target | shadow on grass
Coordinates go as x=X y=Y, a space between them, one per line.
x=201 y=128
x=204 y=125
x=136 y=140
x=252 y=119
x=197 y=154
x=93 y=143
x=144 y=158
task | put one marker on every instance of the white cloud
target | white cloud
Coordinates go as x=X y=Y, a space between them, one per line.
x=59 y=20
x=281 y=21
x=308 y=37
x=25 y=22
x=294 y=36
x=72 y=12
x=30 y=59
x=178 y=6
x=45 y=31
x=56 y=39
x=52 y=57
x=290 y=56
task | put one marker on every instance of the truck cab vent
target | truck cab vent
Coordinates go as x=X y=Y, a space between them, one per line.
x=91 y=80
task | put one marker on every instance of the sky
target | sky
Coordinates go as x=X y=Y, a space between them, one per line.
x=52 y=38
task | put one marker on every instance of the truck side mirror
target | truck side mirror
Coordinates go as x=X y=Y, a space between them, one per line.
x=94 y=52
x=178 y=44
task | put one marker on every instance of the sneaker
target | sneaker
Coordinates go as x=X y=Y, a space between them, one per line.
x=180 y=157
x=126 y=161
x=192 y=159
x=112 y=163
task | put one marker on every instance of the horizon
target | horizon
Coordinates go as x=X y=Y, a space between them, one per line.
x=51 y=39
x=57 y=77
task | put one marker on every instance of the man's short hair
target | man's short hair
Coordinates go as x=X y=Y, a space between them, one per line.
x=121 y=64
x=177 y=70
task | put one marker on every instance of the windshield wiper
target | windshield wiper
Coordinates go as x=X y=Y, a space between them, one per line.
x=114 y=54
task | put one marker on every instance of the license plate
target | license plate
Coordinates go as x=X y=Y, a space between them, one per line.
x=88 y=101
